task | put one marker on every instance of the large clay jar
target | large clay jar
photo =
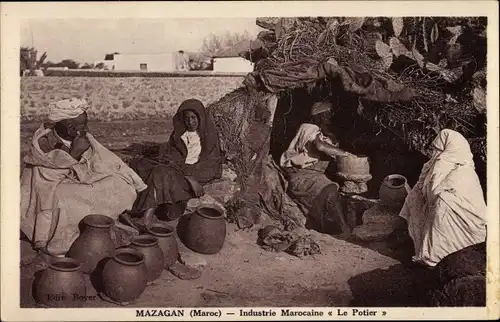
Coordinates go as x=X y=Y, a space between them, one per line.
x=167 y=241
x=393 y=191
x=205 y=230
x=94 y=242
x=62 y=284
x=125 y=276
x=153 y=255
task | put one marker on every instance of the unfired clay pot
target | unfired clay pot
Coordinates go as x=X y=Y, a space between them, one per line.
x=94 y=242
x=62 y=284
x=352 y=164
x=167 y=241
x=205 y=230
x=125 y=276
x=153 y=255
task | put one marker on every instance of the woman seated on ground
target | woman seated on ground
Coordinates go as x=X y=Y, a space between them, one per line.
x=192 y=157
x=446 y=211
x=305 y=163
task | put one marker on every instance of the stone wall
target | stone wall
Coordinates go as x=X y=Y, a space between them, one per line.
x=123 y=98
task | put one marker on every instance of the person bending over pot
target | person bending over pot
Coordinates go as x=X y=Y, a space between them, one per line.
x=69 y=175
x=445 y=211
x=191 y=157
x=305 y=162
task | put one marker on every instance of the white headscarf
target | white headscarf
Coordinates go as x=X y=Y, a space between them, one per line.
x=446 y=210
x=67 y=109
x=452 y=148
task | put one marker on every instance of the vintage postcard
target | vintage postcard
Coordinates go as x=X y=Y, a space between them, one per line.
x=285 y=160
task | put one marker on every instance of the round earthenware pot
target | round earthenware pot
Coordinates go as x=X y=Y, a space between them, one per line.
x=167 y=241
x=153 y=255
x=94 y=243
x=205 y=230
x=125 y=276
x=62 y=284
x=393 y=191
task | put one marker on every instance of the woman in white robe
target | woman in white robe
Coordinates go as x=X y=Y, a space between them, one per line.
x=445 y=210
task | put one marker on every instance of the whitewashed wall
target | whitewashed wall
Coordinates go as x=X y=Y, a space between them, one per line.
x=232 y=64
x=155 y=63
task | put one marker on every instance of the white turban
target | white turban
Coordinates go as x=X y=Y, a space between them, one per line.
x=67 y=109
x=320 y=107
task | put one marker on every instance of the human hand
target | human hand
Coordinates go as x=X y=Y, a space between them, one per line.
x=80 y=144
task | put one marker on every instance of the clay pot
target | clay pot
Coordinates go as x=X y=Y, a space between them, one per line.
x=205 y=230
x=393 y=191
x=62 y=284
x=167 y=241
x=94 y=242
x=353 y=164
x=125 y=276
x=153 y=255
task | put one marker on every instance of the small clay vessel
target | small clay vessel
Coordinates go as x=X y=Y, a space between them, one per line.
x=205 y=230
x=125 y=276
x=167 y=241
x=94 y=242
x=62 y=284
x=393 y=191
x=153 y=255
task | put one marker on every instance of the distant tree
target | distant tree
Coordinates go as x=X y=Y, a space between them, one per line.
x=70 y=63
x=87 y=66
x=214 y=44
x=29 y=61
x=99 y=66
x=198 y=61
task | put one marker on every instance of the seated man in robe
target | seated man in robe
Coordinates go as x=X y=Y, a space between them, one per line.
x=305 y=162
x=69 y=175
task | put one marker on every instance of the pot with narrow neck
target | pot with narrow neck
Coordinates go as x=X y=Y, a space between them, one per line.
x=94 y=243
x=153 y=255
x=62 y=284
x=167 y=241
x=393 y=191
x=125 y=276
x=205 y=229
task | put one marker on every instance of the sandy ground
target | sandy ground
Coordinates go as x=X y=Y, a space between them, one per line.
x=243 y=274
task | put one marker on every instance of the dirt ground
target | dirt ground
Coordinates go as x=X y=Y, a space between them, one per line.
x=243 y=274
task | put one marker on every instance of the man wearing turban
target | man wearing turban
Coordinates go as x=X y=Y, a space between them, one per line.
x=69 y=175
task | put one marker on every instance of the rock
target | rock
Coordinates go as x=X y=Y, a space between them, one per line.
x=382 y=215
x=375 y=231
x=192 y=259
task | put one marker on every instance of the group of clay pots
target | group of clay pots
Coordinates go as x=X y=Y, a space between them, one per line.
x=355 y=173
x=123 y=272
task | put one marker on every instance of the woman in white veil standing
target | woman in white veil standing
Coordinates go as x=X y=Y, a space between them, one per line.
x=445 y=210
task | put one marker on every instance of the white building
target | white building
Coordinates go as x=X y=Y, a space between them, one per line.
x=230 y=61
x=166 y=62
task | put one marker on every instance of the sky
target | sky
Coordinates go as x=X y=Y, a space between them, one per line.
x=88 y=40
